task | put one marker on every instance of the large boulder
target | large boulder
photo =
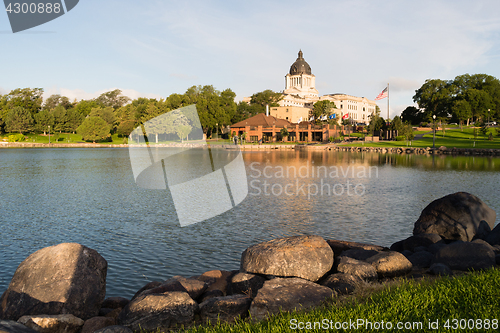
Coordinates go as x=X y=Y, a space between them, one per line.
x=158 y=311
x=390 y=264
x=96 y=323
x=464 y=256
x=339 y=246
x=226 y=308
x=358 y=268
x=114 y=329
x=287 y=294
x=10 y=326
x=68 y=278
x=65 y=323
x=456 y=216
x=493 y=237
x=307 y=257
x=247 y=284
x=341 y=283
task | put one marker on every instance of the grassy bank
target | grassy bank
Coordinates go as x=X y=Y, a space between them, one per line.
x=451 y=138
x=470 y=299
x=62 y=138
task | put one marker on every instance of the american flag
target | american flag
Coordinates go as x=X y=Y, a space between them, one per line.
x=382 y=95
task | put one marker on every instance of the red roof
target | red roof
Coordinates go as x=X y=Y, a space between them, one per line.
x=262 y=120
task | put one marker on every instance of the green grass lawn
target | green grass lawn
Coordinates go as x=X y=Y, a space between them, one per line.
x=452 y=138
x=472 y=300
x=63 y=138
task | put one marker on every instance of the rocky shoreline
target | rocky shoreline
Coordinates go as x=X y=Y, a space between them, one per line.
x=62 y=288
x=332 y=147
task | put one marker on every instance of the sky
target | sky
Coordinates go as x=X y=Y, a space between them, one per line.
x=156 y=48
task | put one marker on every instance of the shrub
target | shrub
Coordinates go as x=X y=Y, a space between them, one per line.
x=331 y=139
x=16 y=137
x=400 y=138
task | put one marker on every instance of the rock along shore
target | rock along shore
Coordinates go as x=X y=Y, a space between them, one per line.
x=332 y=147
x=61 y=288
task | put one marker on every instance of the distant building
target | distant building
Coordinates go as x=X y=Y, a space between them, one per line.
x=359 y=108
x=293 y=114
x=262 y=128
x=300 y=92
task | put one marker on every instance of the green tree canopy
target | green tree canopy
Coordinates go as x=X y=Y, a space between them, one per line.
x=19 y=119
x=94 y=129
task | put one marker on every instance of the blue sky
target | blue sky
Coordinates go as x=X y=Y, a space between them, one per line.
x=155 y=48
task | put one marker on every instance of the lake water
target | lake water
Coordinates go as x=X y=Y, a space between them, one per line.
x=50 y=196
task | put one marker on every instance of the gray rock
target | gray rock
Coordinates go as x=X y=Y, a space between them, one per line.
x=115 y=302
x=359 y=254
x=10 y=326
x=226 y=308
x=420 y=240
x=390 y=264
x=287 y=294
x=96 y=323
x=465 y=255
x=114 y=329
x=247 y=284
x=211 y=294
x=65 y=323
x=64 y=278
x=421 y=259
x=339 y=246
x=406 y=253
x=194 y=287
x=341 y=283
x=440 y=269
x=456 y=216
x=493 y=237
x=307 y=257
x=158 y=311
x=216 y=280
x=149 y=285
x=434 y=248
x=357 y=268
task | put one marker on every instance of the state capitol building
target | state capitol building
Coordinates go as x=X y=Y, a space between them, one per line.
x=300 y=95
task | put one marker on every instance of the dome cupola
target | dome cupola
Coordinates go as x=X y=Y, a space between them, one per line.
x=300 y=66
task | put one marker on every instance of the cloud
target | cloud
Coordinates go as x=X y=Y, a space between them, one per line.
x=399 y=84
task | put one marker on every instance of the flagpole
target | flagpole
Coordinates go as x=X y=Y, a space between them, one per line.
x=388 y=119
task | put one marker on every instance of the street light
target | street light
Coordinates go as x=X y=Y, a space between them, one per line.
x=49 y=133
x=434 y=132
x=488 y=118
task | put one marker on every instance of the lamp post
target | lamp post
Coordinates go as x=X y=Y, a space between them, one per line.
x=434 y=132
x=488 y=117
x=217 y=131
x=49 y=133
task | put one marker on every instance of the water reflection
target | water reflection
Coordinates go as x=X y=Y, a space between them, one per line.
x=50 y=196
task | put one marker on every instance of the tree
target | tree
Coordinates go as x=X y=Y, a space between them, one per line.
x=55 y=100
x=461 y=109
x=266 y=97
x=60 y=118
x=397 y=124
x=19 y=119
x=113 y=99
x=434 y=97
x=183 y=131
x=27 y=98
x=322 y=108
x=93 y=129
x=479 y=101
x=106 y=113
x=412 y=115
x=284 y=132
x=43 y=120
x=407 y=132
x=74 y=120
